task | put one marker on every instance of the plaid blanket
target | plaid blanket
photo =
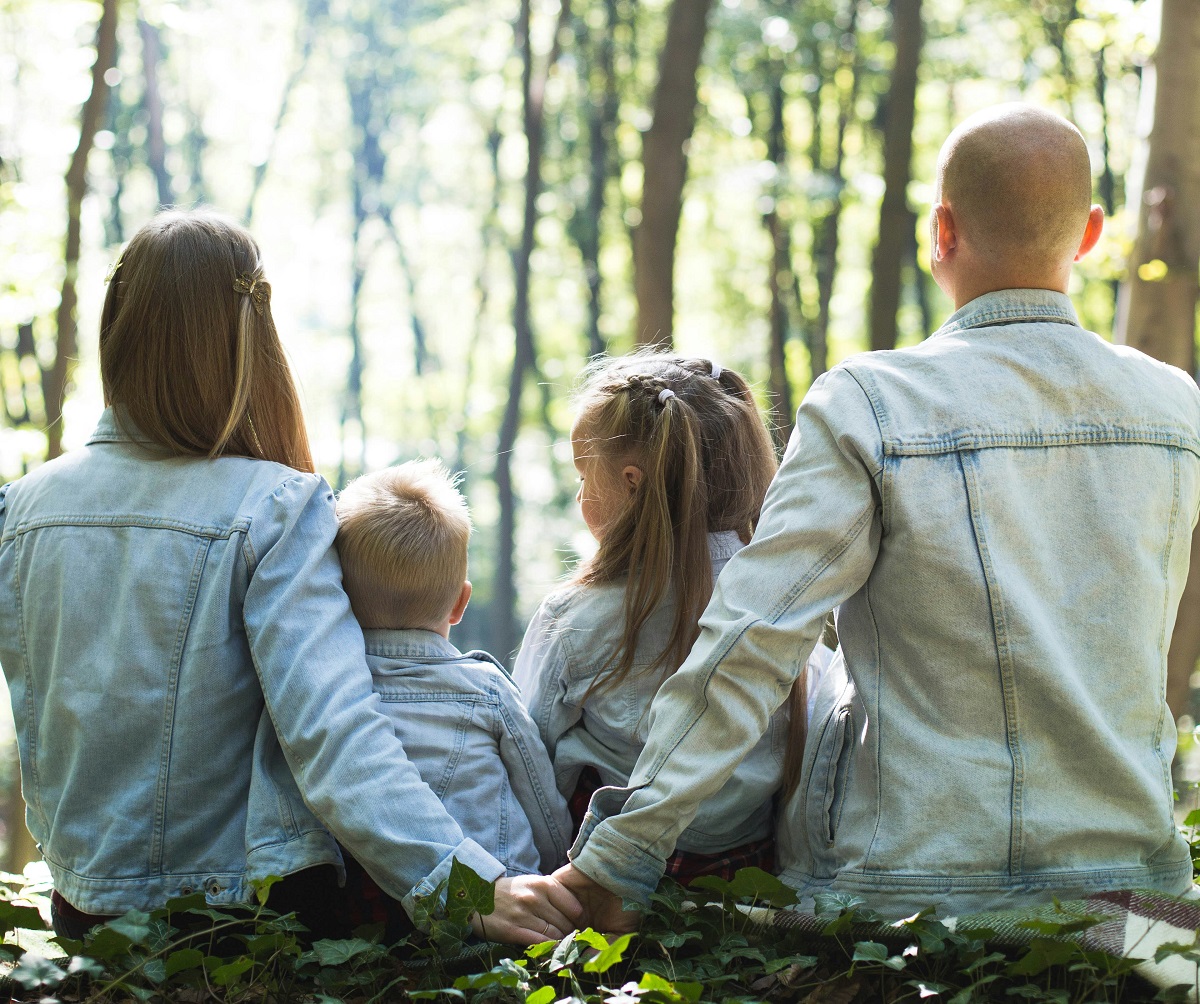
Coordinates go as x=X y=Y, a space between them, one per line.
x=1133 y=923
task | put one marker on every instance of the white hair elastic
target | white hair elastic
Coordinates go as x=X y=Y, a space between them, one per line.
x=716 y=370
x=665 y=394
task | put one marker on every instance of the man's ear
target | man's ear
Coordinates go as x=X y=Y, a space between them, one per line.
x=944 y=231
x=460 y=605
x=632 y=477
x=1095 y=226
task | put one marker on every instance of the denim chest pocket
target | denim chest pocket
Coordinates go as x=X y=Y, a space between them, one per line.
x=440 y=731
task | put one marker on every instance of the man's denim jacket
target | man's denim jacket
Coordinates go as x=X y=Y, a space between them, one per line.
x=191 y=689
x=1004 y=515
x=463 y=725
x=566 y=644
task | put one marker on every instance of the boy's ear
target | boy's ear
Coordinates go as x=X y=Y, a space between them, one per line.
x=632 y=477
x=460 y=605
x=1095 y=226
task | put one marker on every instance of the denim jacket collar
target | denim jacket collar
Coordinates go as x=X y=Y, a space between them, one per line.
x=409 y=644
x=109 y=431
x=723 y=545
x=1011 y=306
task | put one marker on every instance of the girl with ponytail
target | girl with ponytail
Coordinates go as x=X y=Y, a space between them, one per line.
x=674 y=461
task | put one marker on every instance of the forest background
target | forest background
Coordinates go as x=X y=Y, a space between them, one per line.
x=460 y=202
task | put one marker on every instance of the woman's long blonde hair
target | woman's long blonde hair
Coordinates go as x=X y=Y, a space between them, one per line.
x=706 y=461
x=189 y=354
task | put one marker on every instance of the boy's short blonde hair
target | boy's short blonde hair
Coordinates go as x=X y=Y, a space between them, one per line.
x=402 y=537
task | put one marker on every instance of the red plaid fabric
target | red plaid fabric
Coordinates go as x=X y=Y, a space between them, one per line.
x=683 y=866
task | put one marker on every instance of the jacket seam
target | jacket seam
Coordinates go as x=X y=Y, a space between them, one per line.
x=1004 y=665
x=1098 y=437
x=30 y=703
x=134 y=521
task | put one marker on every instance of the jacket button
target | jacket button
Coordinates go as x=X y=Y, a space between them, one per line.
x=187 y=890
x=214 y=887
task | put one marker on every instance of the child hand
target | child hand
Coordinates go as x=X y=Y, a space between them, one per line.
x=529 y=909
x=604 y=909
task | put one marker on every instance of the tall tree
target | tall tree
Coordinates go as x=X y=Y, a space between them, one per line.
x=156 y=147
x=664 y=169
x=896 y=219
x=780 y=281
x=56 y=379
x=533 y=91
x=1157 y=310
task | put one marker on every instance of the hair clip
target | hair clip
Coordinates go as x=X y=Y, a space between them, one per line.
x=255 y=287
x=112 y=271
x=665 y=395
x=716 y=370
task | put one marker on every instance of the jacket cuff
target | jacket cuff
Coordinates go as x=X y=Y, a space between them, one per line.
x=620 y=866
x=466 y=853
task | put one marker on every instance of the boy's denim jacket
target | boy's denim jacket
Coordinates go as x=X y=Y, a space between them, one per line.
x=190 y=687
x=1004 y=515
x=565 y=645
x=463 y=725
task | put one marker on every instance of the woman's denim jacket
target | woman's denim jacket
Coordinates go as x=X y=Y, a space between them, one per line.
x=565 y=645
x=1004 y=514
x=191 y=689
x=463 y=725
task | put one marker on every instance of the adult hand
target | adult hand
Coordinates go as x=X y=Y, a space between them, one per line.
x=529 y=909
x=602 y=908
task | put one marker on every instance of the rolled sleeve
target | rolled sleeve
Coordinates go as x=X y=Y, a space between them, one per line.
x=814 y=546
x=309 y=654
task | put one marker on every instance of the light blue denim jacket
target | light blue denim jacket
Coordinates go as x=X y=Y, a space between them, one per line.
x=463 y=725
x=564 y=647
x=190 y=687
x=1003 y=514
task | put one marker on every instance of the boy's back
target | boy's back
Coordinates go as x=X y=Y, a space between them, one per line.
x=1037 y=489
x=465 y=729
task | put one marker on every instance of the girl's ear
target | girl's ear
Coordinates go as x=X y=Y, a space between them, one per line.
x=632 y=477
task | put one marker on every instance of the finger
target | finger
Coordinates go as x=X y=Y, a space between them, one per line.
x=555 y=923
x=564 y=902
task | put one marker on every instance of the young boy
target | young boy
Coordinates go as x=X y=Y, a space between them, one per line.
x=1003 y=514
x=402 y=538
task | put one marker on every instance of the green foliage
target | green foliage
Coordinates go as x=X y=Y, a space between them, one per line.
x=713 y=941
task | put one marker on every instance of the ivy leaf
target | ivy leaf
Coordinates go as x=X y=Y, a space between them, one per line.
x=108 y=944
x=183 y=959
x=869 y=951
x=467 y=894
x=759 y=886
x=134 y=924
x=542 y=995
x=34 y=971
x=609 y=956
x=13 y=916
x=1043 y=953
x=593 y=939
x=332 y=952
x=230 y=973
x=81 y=965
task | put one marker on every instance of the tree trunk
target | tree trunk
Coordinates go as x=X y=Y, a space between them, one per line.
x=56 y=380
x=156 y=147
x=826 y=230
x=895 y=218
x=779 y=274
x=504 y=600
x=664 y=164
x=1157 y=310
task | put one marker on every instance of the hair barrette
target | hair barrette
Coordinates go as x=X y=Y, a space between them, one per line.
x=112 y=271
x=665 y=395
x=716 y=370
x=255 y=287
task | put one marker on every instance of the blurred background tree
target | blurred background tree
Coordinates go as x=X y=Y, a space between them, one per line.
x=459 y=203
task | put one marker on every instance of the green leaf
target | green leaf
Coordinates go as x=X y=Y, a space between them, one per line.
x=713 y=882
x=186 y=904
x=134 y=924
x=107 y=944
x=609 y=957
x=542 y=995
x=800 y=961
x=13 y=916
x=759 y=886
x=1043 y=953
x=81 y=965
x=540 y=949
x=677 y=938
x=335 y=953
x=262 y=887
x=468 y=894
x=34 y=972
x=593 y=939
x=184 y=958
x=869 y=951
x=1192 y=818
x=431 y=995
x=231 y=972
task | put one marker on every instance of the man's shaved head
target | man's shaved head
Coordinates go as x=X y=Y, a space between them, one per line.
x=1018 y=182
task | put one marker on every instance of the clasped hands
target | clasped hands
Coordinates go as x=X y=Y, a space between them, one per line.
x=533 y=908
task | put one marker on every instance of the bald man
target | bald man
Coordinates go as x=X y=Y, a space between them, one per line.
x=1002 y=518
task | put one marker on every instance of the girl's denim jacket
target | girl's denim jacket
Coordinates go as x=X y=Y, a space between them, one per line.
x=1004 y=515
x=463 y=725
x=190 y=688
x=564 y=647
